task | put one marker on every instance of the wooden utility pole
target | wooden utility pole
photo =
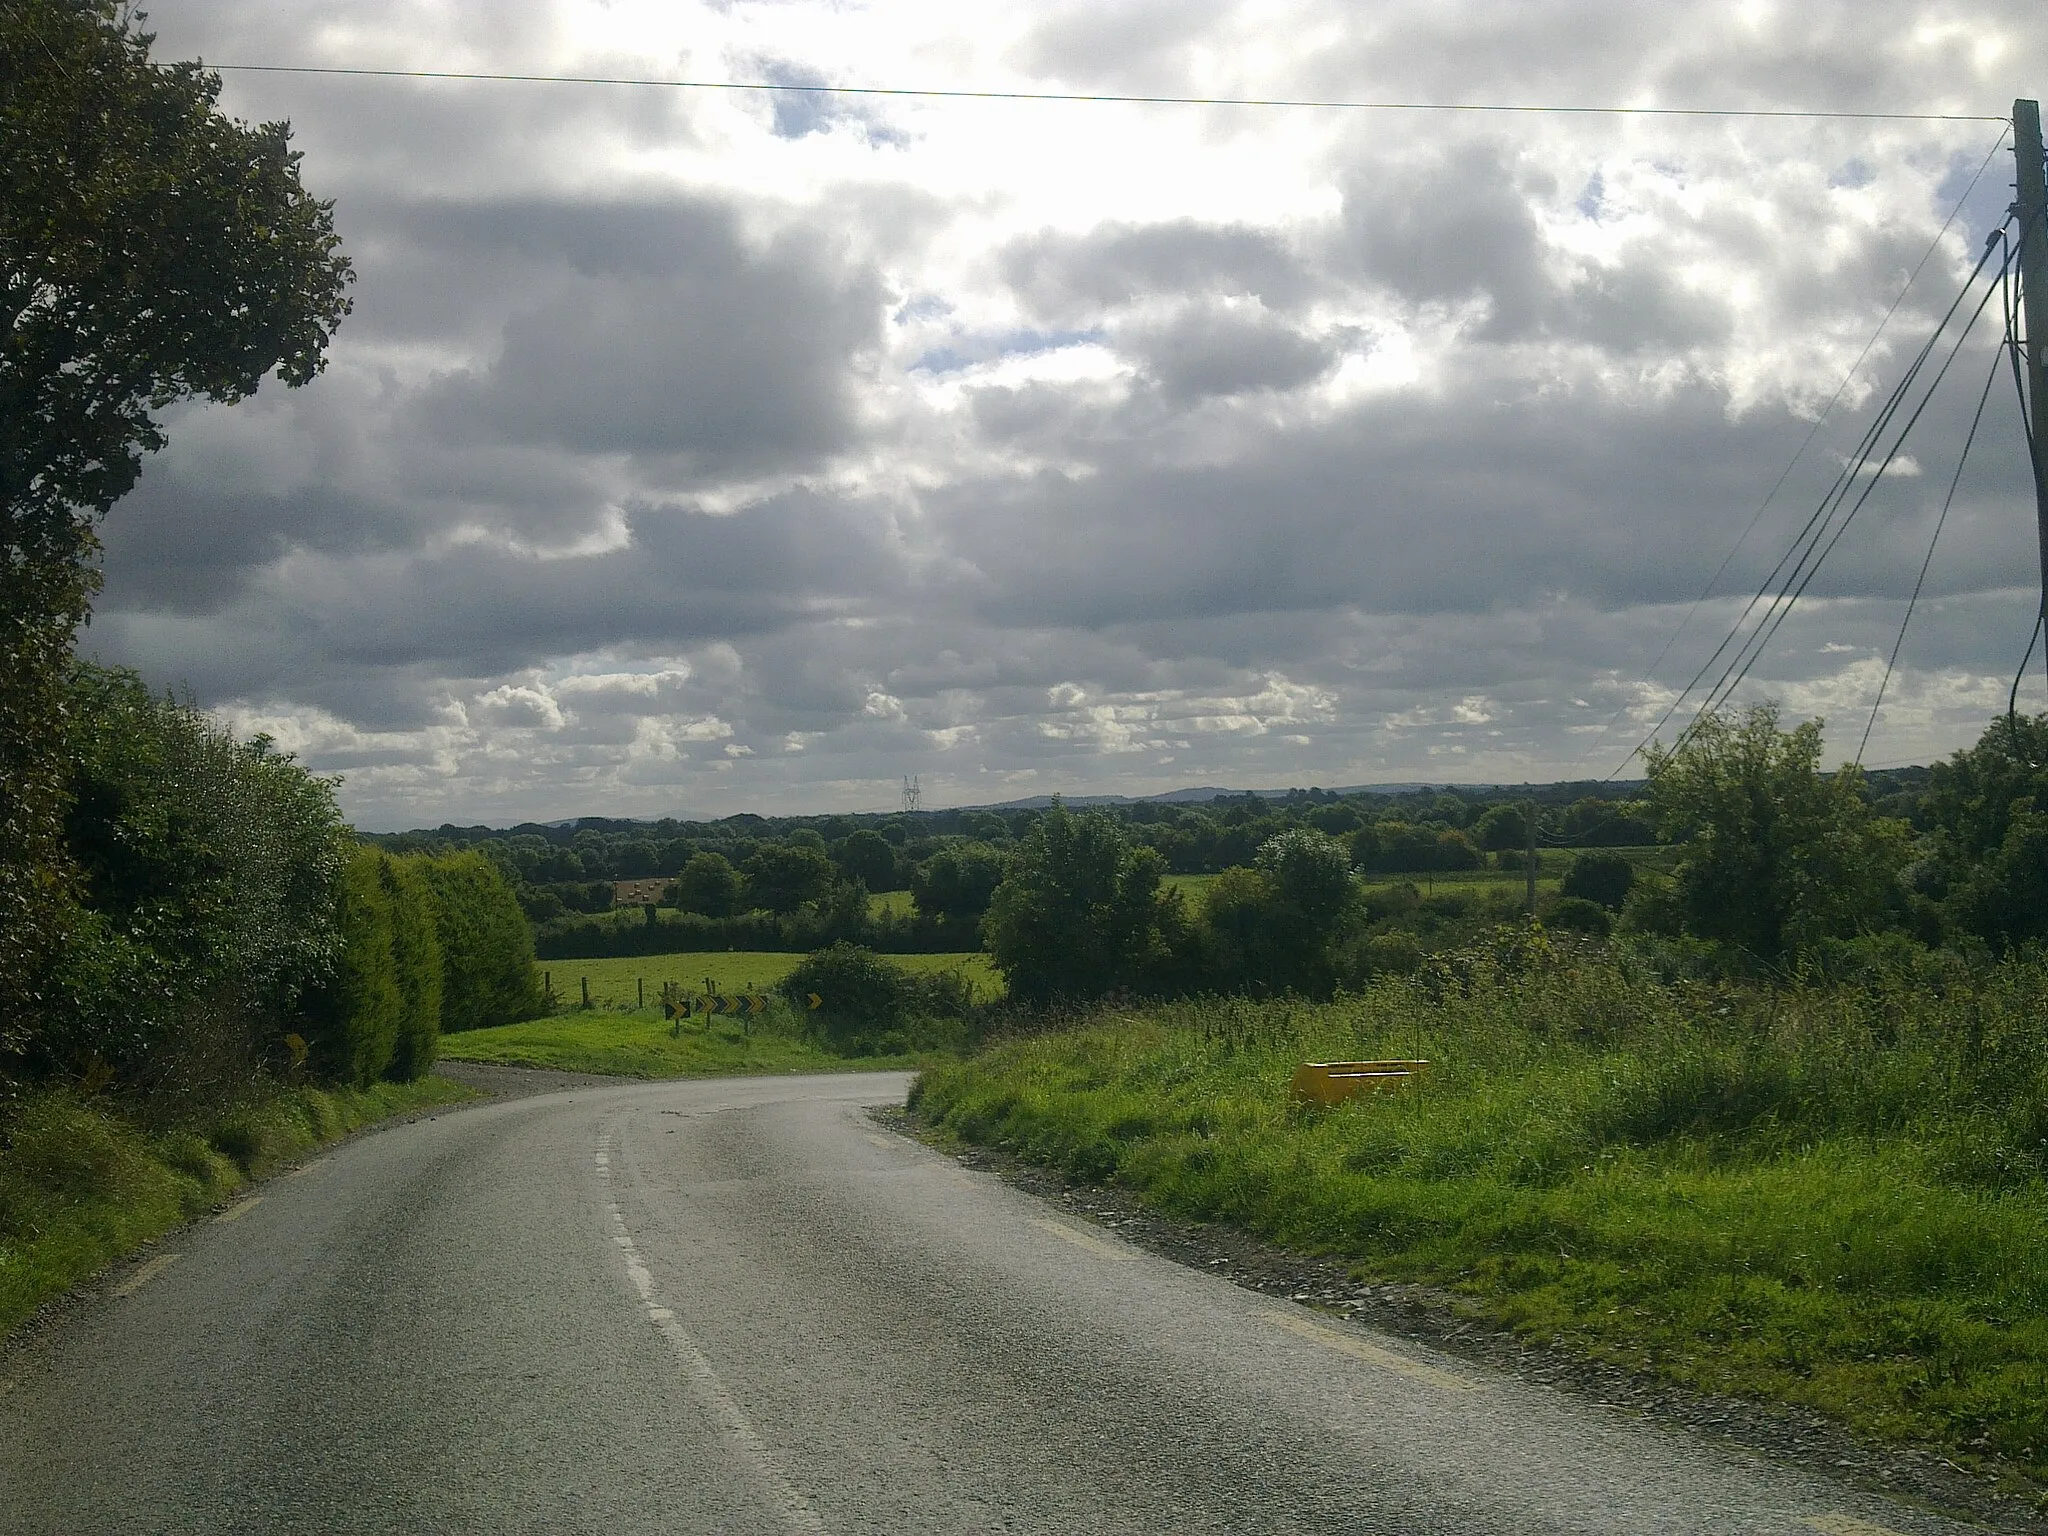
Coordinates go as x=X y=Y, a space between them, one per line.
x=2033 y=263
x=1531 y=816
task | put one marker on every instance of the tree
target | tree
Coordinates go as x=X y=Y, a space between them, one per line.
x=1988 y=810
x=1776 y=856
x=708 y=884
x=1604 y=878
x=956 y=884
x=783 y=876
x=416 y=967
x=1080 y=912
x=1311 y=872
x=1502 y=826
x=151 y=250
x=866 y=856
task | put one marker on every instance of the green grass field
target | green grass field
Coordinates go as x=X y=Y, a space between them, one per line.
x=620 y=983
x=639 y=1043
x=889 y=903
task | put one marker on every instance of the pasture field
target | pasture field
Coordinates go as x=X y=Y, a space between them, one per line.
x=638 y=1042
x=615 y=982
x=890 y=904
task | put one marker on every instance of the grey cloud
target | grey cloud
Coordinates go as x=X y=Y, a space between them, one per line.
x=1226 y=351
x=1068 y=277
x=733 y=359
x=1450 y=227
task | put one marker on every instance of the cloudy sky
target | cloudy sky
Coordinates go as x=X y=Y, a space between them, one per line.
x=696 y=451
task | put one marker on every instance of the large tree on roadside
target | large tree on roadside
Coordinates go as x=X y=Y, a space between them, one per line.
x=1775 y=854
x=151 y=250
x=1080 y=912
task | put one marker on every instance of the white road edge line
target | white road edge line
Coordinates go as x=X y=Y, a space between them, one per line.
x=727 y=1417
x=237 y=1212
x=144 y=1275
x=1372 y=1354
x=1101 y=1247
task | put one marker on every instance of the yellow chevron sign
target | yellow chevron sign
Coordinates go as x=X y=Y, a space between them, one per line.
x=749 y=1003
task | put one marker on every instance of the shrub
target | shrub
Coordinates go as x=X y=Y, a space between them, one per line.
x=1393 y=954
x=1600 y=877
x=416 y=966
x=205 y=901
x=1575 y=914
x=352 y=1021
x=870 y=1007
x=487 y=969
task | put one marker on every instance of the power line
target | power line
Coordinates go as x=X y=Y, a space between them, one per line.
x=1808 y=539
x=1779 y=484
x=1940 y=522
x=1725 y=688
x=1104 y=97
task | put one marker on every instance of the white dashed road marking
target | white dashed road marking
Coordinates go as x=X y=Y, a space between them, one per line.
x=726 y=1415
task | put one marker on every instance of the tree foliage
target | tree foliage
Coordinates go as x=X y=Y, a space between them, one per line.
x=708 y=884
x=784 y=876
x=956 y=884
x=203 y=900
x=151 y=250
x=1080 y=912
x=486 y=945
x=1988 y=810
x=1605 y=878
x=1777 y=856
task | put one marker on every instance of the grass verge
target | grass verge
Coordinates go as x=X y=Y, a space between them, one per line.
x=1828 y=1197
x=639 y=1043
x=80 y=1185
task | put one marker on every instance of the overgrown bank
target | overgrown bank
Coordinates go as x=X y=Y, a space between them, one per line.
x=81 y=1185
x=1829 y=1196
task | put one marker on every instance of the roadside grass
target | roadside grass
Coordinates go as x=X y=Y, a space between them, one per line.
x=81 y=1184
x=1827 y=1197
x=640 y=1043
x=619 y=982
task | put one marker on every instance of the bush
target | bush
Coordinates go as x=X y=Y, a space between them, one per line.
x=487 y=969
x=1605 y=878
x=204 y=906
x=1575 y=914
x=416 y=966
x=352 y=1021
x=870 y=1007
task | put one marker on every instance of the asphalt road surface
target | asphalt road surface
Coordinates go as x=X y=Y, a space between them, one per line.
x=738 y=1306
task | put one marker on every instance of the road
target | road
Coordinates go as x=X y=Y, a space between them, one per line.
x=740 y=1307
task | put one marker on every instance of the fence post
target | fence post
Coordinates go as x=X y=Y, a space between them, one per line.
x=586 y=991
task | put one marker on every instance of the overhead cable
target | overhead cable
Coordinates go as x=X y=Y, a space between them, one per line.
x=1806 y=442
x=1101 y=97
x=1976 y=420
